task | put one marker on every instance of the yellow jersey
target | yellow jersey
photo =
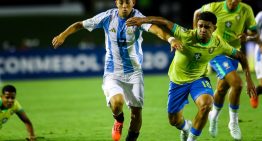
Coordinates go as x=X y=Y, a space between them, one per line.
x=5 y=114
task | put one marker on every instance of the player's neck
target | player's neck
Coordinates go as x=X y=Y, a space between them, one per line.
x=122 y=16
x=203 y=40
x=230 y=8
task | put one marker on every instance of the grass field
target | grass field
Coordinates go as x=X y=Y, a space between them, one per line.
x=75 y=110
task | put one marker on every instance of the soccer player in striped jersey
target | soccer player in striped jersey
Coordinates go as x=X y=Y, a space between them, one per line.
x=234 y=17
x=188 y=70
x=123 y=76
x=258 y=53
x=10 y=106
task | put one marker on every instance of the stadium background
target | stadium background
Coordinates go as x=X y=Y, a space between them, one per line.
x=28 y=26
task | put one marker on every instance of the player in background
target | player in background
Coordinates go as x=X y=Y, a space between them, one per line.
x=258 y=53
x=123 y=76
x=233 y=19
x=188 y=70
x=9 y=106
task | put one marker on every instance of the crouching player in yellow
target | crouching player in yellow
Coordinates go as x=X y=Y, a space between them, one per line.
x=9 y=106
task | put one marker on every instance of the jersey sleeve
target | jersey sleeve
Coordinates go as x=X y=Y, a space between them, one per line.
x=227 y=49
x=178 y=31
x=17 y=107
x=259 y=22
x=250 y=22
x=97 y=21
x=207 y=7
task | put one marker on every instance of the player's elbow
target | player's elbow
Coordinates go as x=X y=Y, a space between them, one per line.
x=196 y=13
x=78 y=25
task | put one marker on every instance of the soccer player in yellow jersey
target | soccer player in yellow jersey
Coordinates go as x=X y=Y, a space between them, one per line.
x=9 y=106
x=188 y=69
x=233 y=19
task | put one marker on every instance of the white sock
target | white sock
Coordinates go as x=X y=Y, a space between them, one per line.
x=215 y=112
x=186 y=127
x=233 y=114
x=191 y=137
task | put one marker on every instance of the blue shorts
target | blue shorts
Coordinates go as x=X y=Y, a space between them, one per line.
x=223 y=65
x=178 y=94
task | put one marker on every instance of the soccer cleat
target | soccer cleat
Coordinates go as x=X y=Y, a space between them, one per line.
x=254 y=102
x=191 y=137
x=184 y=134
x=117 y=130
x=212 y=125
x=235 y=130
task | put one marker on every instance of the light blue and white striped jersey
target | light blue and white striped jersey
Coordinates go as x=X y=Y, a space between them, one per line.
x=123 y=44
x=258 y=54
x=259 y=24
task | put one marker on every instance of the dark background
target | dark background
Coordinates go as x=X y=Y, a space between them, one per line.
x=21 y=32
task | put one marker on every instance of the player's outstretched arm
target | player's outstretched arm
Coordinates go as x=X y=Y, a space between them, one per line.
x=163 y=34
x=29 y=126
x=59 y=39
x=251 y=90
x=138 y=21
x=195 y=18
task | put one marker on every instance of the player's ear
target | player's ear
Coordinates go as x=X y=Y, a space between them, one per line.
x=134 y=2
x=215 y=27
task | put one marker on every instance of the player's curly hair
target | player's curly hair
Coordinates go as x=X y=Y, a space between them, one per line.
x=208 y=16
x=8 y=88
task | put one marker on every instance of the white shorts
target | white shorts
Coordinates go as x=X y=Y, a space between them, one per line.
x=258 y=62
x=133 y=91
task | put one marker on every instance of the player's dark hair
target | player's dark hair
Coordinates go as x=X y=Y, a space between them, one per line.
x=8 y=88
x=208 y=16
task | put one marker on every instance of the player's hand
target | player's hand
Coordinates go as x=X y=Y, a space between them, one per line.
x=251 y=90
x=176 y=44
x=134 y=21
x=242 y=37
x=57 y=41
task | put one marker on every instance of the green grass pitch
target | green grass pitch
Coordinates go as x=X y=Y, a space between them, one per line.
x=75 y=110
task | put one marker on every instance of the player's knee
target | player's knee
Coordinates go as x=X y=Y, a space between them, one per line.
x=117 y=104
x=173 y=121
x=221 y=90
x=237 y=86
x=135 y=117
x=236 y=83
x=117 y=100
x=205 y=108
x=136 y=113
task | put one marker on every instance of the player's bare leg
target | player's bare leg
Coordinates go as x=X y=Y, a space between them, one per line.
x=116 y=105
x=219 y=98
x=135 y=124
x=204 y=105
x=234 y=81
